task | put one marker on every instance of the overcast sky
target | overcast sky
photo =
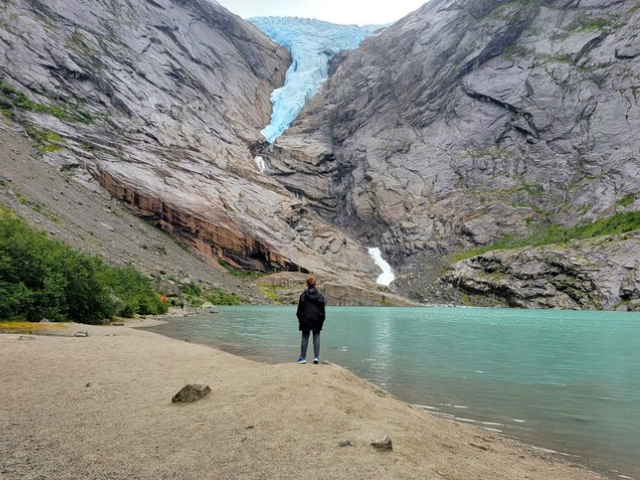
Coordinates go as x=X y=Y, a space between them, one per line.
x=359 y=12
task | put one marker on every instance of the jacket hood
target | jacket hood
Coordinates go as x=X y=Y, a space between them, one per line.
x=313 y=294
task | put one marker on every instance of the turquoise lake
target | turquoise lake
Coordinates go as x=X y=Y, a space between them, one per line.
x=560 y=380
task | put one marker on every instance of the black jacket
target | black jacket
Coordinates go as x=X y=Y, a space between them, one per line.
x=311 y=310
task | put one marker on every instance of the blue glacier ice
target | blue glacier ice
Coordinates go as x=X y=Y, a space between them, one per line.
x=312 y=44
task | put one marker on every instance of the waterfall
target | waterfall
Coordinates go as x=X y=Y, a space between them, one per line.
x=387 y=276
x=260 y=163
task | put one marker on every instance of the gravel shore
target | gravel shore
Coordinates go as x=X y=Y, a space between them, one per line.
x=99 y=407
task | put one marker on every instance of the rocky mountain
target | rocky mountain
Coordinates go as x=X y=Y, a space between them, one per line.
x=158 y=103
x=598 y=274
x=470 y=122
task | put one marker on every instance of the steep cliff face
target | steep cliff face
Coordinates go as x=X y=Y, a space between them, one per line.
x=157 y=101
x=469 y=121
x=173 y=73
x=598 y=274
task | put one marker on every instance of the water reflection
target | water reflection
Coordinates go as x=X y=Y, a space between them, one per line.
x=382 y=347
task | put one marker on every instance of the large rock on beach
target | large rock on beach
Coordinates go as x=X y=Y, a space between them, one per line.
x=383 y=444
x=191 y=393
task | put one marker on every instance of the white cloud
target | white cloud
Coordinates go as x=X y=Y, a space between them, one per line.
x=360 y=12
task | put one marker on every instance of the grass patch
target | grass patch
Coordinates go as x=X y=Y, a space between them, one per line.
x=35 y=206
x=493 y=152
x=11 y=98
x=29 y=327
x=513 y=52
x=499 y=12
x=560 y=58
x=247 y=275
x=557 y=234
x=597 y=24
x=270 y=292
x=220 y=297
x=618 y=223
x=44 y=139
x=626 y=201
x=80 y=44
x=191 y=289
x=194 y=296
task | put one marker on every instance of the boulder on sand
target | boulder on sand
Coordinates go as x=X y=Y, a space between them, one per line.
x=191 y=393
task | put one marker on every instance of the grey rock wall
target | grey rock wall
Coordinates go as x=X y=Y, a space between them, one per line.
x=169 y=94
x=471 y=121
x=466 y=122
x=599 y=274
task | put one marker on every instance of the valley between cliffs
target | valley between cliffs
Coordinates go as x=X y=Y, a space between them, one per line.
x=468 y=124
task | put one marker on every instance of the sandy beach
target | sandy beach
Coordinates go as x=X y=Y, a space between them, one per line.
x=99 y=407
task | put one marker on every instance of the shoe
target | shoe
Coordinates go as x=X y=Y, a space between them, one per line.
x=302 y=360
x=316 y=360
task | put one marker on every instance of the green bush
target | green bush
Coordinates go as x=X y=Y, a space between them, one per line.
x=220 y=297
x=132 y=289
x=191 y=289
x=43 y=278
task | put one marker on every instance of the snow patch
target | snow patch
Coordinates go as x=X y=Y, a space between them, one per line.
x=387 y=276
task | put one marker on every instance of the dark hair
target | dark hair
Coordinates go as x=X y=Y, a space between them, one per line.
x=311 y=282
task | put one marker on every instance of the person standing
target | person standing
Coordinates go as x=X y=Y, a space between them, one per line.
x=311 y=316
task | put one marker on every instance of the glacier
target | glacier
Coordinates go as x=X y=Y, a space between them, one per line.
x=312 y=43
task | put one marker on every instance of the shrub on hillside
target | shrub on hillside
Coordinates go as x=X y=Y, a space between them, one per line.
x=43 y=278
x=131 y=290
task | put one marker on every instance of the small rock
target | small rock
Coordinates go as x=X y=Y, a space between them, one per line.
x=92 y=384
x=22 y=337
x=82 y=334
x=191 y=393
x=346 y=443
x=383 y=444
x=118 y=324
x=45 y=320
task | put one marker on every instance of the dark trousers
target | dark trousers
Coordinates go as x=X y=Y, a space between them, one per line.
x=305 y=343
